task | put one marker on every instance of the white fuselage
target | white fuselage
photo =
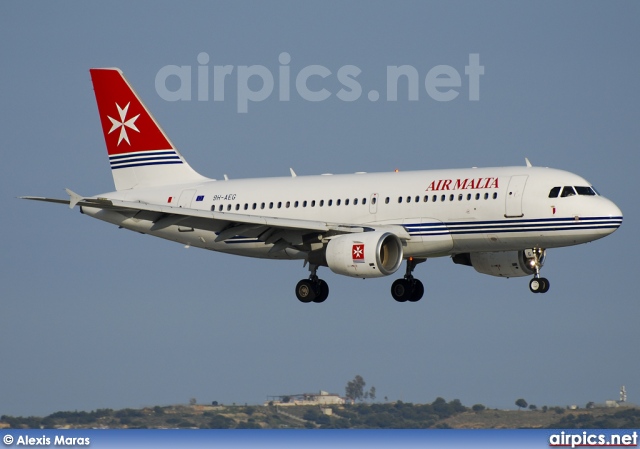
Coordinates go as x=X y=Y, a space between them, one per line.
x=444 y=212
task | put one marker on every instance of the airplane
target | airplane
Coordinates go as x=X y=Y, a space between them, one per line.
x=500 y=220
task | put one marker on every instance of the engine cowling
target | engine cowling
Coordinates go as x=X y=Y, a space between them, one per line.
x=503 y=264
x=365 y=254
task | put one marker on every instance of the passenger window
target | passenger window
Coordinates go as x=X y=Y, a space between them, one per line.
x=386 y=200
x=408 y=199
x=295 y=204
x=330 y=203
x=567 y=191
x=220 y=208
x=399 y=199
x=288 y=204
x=321 y=203
x=585 y=191
x=279 y=204
x=495 y=195
x=451 y=197
x=313 y=203
x=417 y=199
x=364 y=201
x=443 y=198
x=254 y=206
x=554 y=192
x=460 y=196
x=271 y=205
x=237 y=207
x=469 y=197
x=434 y=198
x=477 y=196
x=228 y=207
x=486 y=196
x=346 y=202
x=426 y=198
x=355 y=201
x=304 y=203
x=338 y=202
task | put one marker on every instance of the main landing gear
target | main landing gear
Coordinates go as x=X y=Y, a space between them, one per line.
x=538 y=284
x=313 y=289
x=408 y=288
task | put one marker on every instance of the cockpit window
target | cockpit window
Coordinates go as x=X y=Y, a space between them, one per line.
x=554 y=192
x=567 y=191
x=585 y=191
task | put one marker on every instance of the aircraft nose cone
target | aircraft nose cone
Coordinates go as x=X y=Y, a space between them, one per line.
x=615 y=215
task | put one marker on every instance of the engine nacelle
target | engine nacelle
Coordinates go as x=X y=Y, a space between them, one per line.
x=365 y=254
x=505 y=263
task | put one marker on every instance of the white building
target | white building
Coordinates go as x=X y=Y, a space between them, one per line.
x=322 y=398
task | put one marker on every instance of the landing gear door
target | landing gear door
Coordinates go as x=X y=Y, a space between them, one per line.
x=515 y=191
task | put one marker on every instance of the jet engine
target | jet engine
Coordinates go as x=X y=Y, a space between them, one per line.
x=505 y=263
x=365 y=254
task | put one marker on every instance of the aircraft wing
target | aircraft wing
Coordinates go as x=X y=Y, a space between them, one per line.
x=282 y=232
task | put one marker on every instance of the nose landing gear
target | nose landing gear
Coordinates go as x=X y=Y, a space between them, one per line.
x=538 y=284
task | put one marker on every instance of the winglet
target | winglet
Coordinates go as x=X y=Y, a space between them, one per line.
x=74 y=198
x=293 y=174
x=528 y=163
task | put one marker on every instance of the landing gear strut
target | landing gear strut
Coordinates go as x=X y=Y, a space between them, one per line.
x=538 y=284
x=313 y=289
x=408 y=288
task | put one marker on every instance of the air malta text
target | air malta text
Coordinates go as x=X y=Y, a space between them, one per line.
x=463 y=184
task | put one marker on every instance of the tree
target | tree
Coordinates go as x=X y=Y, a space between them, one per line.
x=521 y=403
x=355 y=389
x=372 y=393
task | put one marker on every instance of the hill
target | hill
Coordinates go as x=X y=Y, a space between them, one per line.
x=397 y=415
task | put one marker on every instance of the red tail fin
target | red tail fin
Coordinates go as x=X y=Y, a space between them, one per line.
x=140 y=153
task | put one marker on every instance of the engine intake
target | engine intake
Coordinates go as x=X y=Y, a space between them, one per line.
x=365 y=254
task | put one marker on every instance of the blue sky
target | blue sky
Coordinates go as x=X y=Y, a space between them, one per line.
x=95 y=317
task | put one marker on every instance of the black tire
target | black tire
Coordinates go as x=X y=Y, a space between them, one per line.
x=545 y=285
x=401 y=290
x=417 y=291
x=322 y=291
x=305 y=291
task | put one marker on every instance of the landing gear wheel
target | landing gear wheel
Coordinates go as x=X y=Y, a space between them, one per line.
x=305 y=291
x=400 y=290
x=417 y=291
x=545 y=285
x=408 y=288
x=539 y=285
x=404 y=290
x=313 y=289
x=322 y=291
